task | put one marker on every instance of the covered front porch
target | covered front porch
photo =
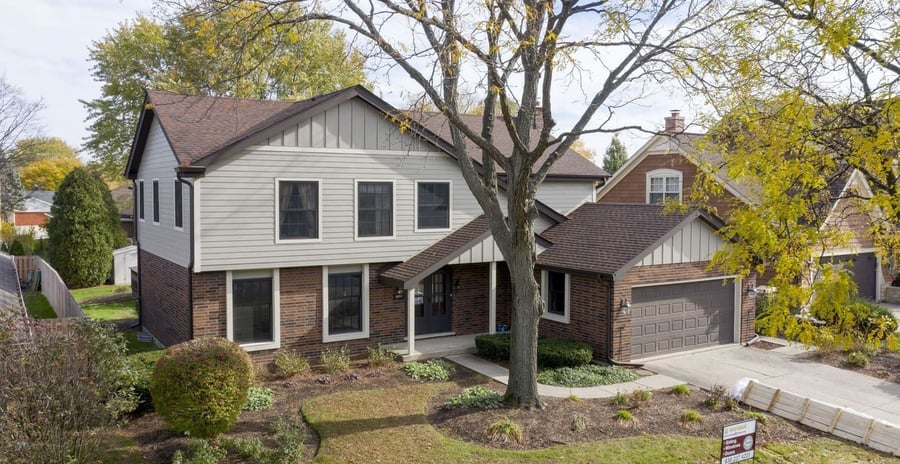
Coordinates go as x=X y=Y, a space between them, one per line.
x=435 y=347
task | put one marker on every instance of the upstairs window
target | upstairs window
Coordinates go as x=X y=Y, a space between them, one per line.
x=298 y=209
x=432 y=205
x=663 y=185
x=155 y=201
x=141 y=196
x=374 y=209
x=179 y=210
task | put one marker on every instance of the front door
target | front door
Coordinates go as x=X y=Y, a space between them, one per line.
x=433 y=303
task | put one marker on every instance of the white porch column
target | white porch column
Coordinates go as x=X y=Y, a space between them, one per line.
x=492 y=298
x=411 y=321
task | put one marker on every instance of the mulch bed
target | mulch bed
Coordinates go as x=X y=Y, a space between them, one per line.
x=766 y=345
x=883 y=365
x=565 y=421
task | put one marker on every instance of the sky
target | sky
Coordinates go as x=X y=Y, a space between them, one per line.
x=44 y=52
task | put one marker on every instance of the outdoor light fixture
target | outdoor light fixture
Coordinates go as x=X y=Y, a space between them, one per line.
x=751 y=290
x=624 y=306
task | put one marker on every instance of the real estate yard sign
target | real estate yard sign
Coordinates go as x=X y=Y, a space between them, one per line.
x=738 y=441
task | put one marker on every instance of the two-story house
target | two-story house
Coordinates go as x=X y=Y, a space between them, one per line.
x=666 y=167
x=333 y=221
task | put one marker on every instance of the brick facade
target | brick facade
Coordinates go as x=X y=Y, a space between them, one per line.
x=164 y=304
x=471 y=298
x=588 y=314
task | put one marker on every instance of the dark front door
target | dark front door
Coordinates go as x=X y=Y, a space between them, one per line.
x=433 y=303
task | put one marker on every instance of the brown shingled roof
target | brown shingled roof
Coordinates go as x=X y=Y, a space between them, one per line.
x=607 y=239
x=434 y=257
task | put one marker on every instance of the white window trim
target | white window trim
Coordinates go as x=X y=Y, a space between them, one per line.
x=449 y=205
x=277 y=213
x=356 y=236
x=276 y=307
x=140 y=197
x=326 y=337
x=153 y=201
x=664 y=173
x=175 y=186
x=545 y=296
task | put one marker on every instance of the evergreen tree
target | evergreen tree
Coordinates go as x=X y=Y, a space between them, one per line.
x=82 y=230
x=615 y=157
x=11 y=193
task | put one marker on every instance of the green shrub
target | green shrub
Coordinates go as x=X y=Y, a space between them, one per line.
x=379 y=357
x=551 y=352
x=477 y=397
x=17 y=249
x=83 y=229
x=639 y=397
x=200 y=452
x=435 y=370
x=875 y=323
x=857 y=359
x=336 y=360
x=624 y=415
x=200 y=386
x=716 y=396
x=493 y=346
x=760 y=417
x=136 y=375
x=620 y=399
x=290 y=363
x=505 y=430
x=288 y=436
x=690 y=416
x=681 y=390
x=732 y=404
x=586 y=376
x=558 y=352
x=258 y=399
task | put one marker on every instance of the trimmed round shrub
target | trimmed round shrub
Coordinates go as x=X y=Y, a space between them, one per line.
x=200 y=386
x=558 y=352
x=494 y=346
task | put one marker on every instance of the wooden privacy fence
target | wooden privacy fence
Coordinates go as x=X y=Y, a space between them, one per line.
x=836 y=420
x=52 y=286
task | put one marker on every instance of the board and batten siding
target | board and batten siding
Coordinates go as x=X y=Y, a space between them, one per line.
x=163 y=240
x=696 y=242
x=565 y=196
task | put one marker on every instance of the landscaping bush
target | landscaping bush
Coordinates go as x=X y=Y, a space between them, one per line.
x=136 y=376
x=336 y=360
x=258 y=399
x=291 y=363
x=200 y=386
x=435 y=370
x=586 y=376
x=551 y=352
x=875 y=323
x=289 y=438
x=857 y=359
x=505 y=430
x=379 y=357
x=60 y=393
x=477 y=397
x=558 y=352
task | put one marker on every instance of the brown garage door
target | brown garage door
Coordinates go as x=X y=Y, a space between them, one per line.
x=864 y=267
x=678 y=317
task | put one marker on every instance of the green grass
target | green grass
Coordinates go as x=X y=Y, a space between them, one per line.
x=114 y=311
x=99 y=291
x=376 y=426
x=136 y=346
x=120 y=448
x=37 y=305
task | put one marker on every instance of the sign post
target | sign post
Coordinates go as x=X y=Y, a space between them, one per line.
x=738 y=441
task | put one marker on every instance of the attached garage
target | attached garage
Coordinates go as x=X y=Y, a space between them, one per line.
x=681 y=316
x=864 y=267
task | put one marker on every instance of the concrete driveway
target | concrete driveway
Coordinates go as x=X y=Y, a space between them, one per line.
x=781 y=368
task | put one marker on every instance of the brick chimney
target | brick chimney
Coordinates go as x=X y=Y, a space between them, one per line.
x=675 y=123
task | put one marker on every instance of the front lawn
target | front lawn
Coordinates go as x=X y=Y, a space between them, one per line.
x=112 y=311
x=37 y=305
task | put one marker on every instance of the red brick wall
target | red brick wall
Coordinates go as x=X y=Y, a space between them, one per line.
x=164 y=299
x=633 y=187
x=588 y=315
x=471 y=300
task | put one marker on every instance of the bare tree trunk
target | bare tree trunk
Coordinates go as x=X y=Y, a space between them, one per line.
x=522 y=388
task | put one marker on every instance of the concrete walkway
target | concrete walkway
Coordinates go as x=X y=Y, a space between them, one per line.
x=781 y=368
x=501 y=374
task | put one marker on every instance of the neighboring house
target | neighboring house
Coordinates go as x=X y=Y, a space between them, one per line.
x=666 y=167
x=321 y=223
x=35 y=213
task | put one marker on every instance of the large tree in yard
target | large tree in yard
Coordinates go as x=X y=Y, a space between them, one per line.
x=806 y=94
x=518 y=54
x=209 y=56
x=83 y=229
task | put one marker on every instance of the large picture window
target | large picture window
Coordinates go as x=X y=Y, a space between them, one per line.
x=346 y=302
x=663 y=185
x=298 y=209
x=432 y=205
x=253 y=313
x=374 y=209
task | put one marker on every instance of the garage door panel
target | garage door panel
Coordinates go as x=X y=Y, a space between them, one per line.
x=668 y=318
